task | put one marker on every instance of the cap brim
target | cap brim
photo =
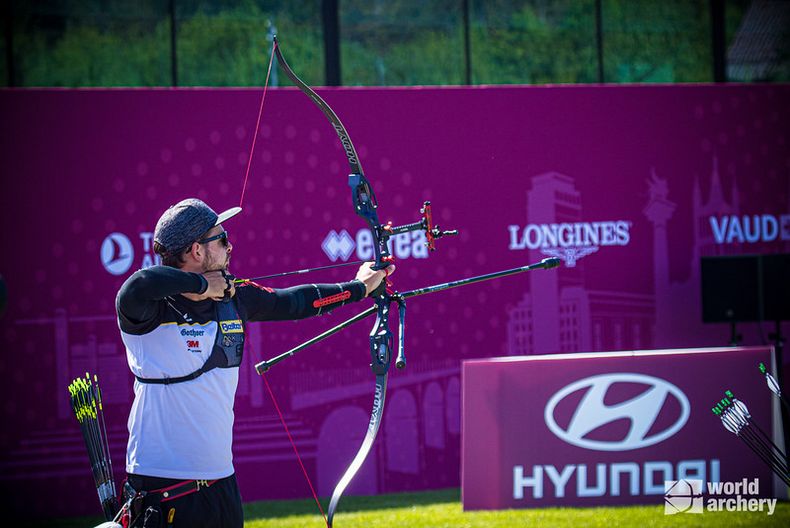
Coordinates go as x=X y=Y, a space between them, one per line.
x=227 y=215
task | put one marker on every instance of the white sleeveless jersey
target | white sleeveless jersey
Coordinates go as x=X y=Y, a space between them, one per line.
x=196 y=416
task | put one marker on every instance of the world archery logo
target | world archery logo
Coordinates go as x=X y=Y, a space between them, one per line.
x=682 y=496
x=117 y=253
x=580 y=414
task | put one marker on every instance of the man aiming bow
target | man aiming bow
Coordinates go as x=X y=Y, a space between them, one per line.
x=183 y=327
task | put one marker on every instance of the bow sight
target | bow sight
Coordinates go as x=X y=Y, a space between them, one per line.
x=425 y=224
x=365 y=205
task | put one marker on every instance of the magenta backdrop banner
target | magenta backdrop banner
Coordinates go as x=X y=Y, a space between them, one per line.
x=593 y=429
x=629 y=186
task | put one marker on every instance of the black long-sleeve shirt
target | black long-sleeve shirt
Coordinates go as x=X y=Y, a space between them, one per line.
x=151 y=297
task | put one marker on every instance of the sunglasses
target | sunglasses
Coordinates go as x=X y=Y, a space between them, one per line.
x=222 y=237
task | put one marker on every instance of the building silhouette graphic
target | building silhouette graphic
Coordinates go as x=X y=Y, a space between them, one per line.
x=572 y=317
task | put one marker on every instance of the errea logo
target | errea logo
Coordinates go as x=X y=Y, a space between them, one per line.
x=340 y=246
x=231 y=327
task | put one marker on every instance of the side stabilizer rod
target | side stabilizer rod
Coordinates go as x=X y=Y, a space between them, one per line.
x=266 y=364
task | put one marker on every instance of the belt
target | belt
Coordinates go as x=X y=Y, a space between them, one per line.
x=182 y=488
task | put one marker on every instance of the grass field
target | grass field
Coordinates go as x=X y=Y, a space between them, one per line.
x=442 y=509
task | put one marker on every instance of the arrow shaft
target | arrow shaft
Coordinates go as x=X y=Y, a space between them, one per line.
x=302 y=271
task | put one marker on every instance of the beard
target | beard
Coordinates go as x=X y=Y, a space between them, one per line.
x=211 y=264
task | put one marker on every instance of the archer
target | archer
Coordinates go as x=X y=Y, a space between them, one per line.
x=183 y=325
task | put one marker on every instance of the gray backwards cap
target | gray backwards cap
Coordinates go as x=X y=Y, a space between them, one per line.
x=184 y=223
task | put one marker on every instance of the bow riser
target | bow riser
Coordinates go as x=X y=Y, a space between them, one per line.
x=365 y=205
x=381 y=338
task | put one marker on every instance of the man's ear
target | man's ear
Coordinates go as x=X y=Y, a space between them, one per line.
x=195 y=252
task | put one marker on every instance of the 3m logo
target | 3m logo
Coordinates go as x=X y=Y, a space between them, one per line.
x=599 y=406
x=193 y=344
x=231 y=327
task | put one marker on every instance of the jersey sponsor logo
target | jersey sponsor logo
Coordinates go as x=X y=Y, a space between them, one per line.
x=192 y=332
x=231 y=327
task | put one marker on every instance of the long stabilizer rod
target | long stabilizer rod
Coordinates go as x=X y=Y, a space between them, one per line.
x=547 y=263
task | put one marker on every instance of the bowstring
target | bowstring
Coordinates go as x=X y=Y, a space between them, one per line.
x=257 y=126
x=241 y=201
x=296 y=451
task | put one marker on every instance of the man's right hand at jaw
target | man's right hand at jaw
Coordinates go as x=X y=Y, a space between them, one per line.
x=217 y=284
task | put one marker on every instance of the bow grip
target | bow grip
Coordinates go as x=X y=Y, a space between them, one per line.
x=380 y=290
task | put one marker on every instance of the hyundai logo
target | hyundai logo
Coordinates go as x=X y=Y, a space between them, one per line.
x=641 y=411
